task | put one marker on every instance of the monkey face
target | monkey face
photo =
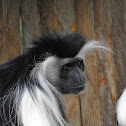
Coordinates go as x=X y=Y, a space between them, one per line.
x=66 y=75
x=72 y=79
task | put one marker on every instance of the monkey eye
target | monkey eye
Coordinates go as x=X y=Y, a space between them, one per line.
x=66 y=68
x=80 y=65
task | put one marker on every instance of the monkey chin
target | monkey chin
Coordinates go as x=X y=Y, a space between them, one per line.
x=77 y=90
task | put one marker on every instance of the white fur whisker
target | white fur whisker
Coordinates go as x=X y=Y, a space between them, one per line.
x=35 y=107
x=91 y=46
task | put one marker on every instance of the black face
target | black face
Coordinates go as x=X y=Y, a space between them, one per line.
x=72 y=79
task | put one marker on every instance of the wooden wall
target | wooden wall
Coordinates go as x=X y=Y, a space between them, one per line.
x=24 y=20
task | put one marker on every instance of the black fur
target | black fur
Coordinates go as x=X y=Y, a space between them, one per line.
x=19 y=67
x=60 y=46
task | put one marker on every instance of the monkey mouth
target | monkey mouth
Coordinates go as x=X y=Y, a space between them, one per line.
x=76 y=89
x=72 y=90
x=77 y=86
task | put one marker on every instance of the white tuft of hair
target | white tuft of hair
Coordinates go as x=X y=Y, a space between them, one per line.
x=32 y=113
x=91 y=46
x=37 y=105
x=121 y=110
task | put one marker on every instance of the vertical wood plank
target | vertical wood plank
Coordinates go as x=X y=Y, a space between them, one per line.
x=29 y=22
x=100 y=95
x=119 y=41
x=108 y=100
x=9 y=29
x=72 y=109
x=90 y=102
x=84 y=18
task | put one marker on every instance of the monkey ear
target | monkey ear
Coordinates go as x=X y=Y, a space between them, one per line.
x=92 y=46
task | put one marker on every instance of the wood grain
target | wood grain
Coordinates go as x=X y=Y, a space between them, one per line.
x=9 y=29
x=119 y=41
x=110 y=70
x=90 y=102
x=100 y=95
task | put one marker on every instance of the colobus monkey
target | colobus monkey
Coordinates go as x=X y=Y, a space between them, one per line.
x=31 y=84
x=121 y=110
